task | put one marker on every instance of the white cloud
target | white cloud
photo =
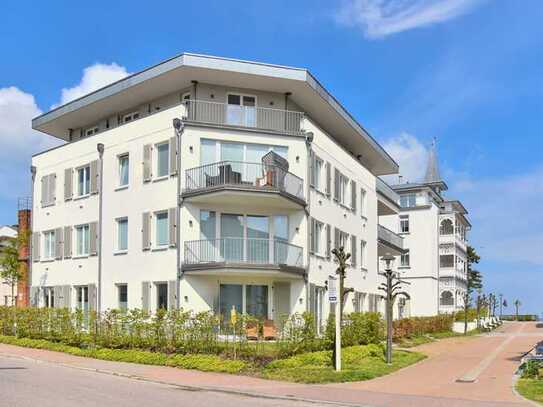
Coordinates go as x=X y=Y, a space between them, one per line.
x=379 y=18
x=94 y=77
x=18 y=141
x=410 y=154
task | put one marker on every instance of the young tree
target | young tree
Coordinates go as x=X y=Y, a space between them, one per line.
x=517 y=305
x=474 y=282
x=481 y=301
x=341 y=257
x=10 y=270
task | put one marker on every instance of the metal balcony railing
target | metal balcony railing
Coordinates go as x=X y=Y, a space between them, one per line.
x=242 y=174
x=243 y=251
x=389 y=236
x=285 y=121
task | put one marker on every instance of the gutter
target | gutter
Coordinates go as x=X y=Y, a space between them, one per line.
x=31 y=235
x=179 y=127
x=100 y=148
x=308 y=141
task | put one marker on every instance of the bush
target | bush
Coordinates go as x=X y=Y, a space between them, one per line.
x=418 y=326
x=472 y=315
x=530 y=369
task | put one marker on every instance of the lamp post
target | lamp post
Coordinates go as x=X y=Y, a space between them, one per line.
x=391 y=289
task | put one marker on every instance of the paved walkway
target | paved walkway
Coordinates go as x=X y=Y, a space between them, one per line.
x=488 y=361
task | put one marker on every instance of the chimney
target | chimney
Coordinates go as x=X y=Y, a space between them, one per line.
x=24 y=214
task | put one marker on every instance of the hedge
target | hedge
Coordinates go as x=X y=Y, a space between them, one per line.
x=418 y=326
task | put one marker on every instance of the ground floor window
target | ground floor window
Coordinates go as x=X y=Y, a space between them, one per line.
x=123 y=296
x=446 y=298
x=162 y=295
x=246 y=299
x=49 y=297
x=82 y=298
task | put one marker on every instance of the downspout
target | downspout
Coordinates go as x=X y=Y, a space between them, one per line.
x=287 y=94
x=100 y=148
x=308 y=141
x=30 y=239
x=179 y=127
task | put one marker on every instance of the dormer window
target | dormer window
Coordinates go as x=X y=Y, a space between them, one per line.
x=131 y=117
x=91 y=131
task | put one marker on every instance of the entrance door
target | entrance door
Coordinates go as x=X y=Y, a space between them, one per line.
x=230 y=297
x=281 y=301
x=256 y=301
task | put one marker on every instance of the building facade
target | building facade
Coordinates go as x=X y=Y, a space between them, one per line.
x=434 y=230
x=208 y=184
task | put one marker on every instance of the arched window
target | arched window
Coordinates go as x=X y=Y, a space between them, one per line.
x=446 y=298
x=446 y=227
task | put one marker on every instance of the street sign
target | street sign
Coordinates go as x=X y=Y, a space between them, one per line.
x=332 y=289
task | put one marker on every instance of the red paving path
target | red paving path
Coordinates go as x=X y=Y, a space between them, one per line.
x=430 y=383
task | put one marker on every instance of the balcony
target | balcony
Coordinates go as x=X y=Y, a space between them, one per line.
x=453 y=238
x=253 y=117
x=390 y=243
x=238 y=255
x=388 y=201
x=264 y=185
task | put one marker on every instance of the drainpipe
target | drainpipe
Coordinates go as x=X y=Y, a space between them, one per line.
x=100 y=148
x=30 y=237
x=287 y=94
x=308 y=141
x=194 y=96
x=179 y=127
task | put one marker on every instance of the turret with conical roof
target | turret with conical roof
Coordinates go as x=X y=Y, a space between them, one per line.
x=432 y=176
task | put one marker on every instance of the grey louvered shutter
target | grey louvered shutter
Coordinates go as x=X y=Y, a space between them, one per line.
x=68 y=184
x=312 y=302
x=336 y=184
x=58 y=296
x=353 y=250
x=36 y=246
x=93 y=238
x=353 y=195
x=58 y=243
x=328 y=179
x=172 y=294
x=172 y=226
x=94 y=177
x=173 y=155
x=328 y=241
x=147 y=151
x=34 y=296
x=336 y=238
x=52 y=193
x=145 y=296
x=67 y=242
x=92 y=297
x=146 y=231
x=312 y=169
x=66 y=296
x=311 y=226
x=44 y=189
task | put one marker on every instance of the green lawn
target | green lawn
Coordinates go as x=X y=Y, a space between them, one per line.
x=359 y=362
x=532 y=389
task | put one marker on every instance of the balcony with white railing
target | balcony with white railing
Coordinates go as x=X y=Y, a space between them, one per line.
x=243 y=253
x=389 y=242
x=253 y=117
x=265 y=184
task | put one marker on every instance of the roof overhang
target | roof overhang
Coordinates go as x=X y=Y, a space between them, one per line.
x=179 y=72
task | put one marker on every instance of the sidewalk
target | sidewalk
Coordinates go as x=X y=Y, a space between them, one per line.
x=430 y=383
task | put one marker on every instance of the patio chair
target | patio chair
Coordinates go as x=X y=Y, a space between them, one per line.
x=269 y=330
x=251 y=331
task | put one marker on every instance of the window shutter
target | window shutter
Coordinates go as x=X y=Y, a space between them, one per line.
x=353 y=195
x=68 y=184
x=67 y=296
x=173 y=155
x=36 y=246
x=92 y=297
x=34 y=296
x=52 y=189
x=336 y=238
x=94 y=177
x=145 y=296
x=147 y=149
x=311 y=235
x=58 y=296
x=311 y=169
x=172 y=229
x=67 y=242
x=362 y=202
x=336 y=184
x=145 y=229
x=312 y=302
x=93 y=238
x=353 y=250
x=328 y=241
x=58 y=243
x=328 y=179
x=44 y=188
x=172 y=294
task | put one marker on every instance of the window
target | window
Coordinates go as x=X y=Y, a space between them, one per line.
x=49 y=297
x=91 y=131
x=82 y=240
x=241 y=110
x=363 y=254
x=405 y=260
x=317 y=237
x=49 y=244
x=363 y=202
x=212 y=151
x=162 y=229
x=343 y=239
x=163 y=159
x=342 y=190
x=123 y=170
x=446 y=227
x=83 y=181
x=446 y=260
x=82 y=298
x=122 y=234
x=162 y=295
x=404 y=224
x=130 y=117
x=446 y=298
x=408 y=201
x=316 y=172
x=122 y=290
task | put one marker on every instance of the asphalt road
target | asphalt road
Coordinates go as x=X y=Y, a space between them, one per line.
x=28 y=383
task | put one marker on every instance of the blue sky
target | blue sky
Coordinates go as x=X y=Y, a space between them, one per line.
x=468 y=72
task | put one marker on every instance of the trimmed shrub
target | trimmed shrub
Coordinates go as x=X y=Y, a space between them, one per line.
x=418 y=326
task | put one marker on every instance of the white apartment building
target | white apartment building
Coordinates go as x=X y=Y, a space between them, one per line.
x=208 y=184
x=8 y=234
x=434 y=230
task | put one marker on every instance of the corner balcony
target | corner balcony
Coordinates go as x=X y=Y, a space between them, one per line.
x=243 y=257
x=246 y=117
x=388 y=201
x=251 y=184
x=390 y=243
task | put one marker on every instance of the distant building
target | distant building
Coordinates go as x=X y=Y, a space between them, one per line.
x=8 y=235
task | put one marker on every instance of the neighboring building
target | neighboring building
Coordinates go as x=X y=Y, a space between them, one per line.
x=434 y=230
x=240 y=208
x=8 y=234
